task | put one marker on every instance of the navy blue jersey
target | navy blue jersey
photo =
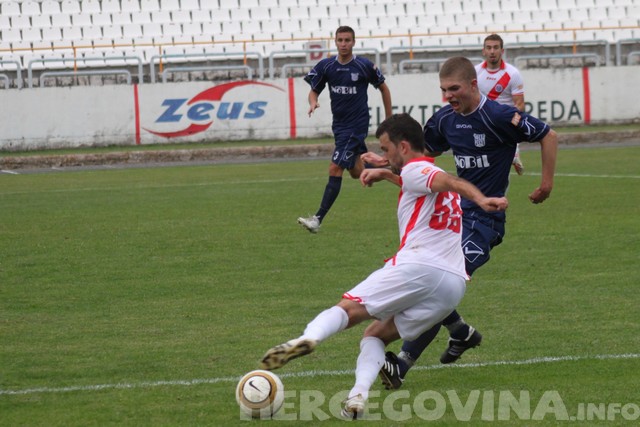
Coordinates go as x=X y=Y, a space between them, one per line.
x=348 y=84
x=483 y=143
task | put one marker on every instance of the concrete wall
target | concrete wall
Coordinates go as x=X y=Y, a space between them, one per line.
x=274 y=109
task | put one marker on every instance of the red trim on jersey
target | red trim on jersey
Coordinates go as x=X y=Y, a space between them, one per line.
x=348 y=296
x=504 y=81
x=502 y=66
x=413 y=220
x=587 y=95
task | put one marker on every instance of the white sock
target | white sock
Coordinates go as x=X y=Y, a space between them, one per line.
x=369 y=363
x=327 y=323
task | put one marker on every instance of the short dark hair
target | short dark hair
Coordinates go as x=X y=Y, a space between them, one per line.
x=403 y=127
x=458 y=66
x=493 y=37
x=346 y=29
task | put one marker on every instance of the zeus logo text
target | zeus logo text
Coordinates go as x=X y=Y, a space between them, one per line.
x=204 y=111
x=197 y=114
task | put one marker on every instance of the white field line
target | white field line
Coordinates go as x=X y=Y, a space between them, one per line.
x=313 y=374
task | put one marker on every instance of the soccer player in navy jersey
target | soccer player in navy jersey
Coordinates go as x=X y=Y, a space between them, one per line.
x=481 y=134
x=348 y=77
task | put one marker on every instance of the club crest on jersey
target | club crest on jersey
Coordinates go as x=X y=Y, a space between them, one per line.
x=479 y=140
x=498 y=88
x=426 y=170
x=354 y=77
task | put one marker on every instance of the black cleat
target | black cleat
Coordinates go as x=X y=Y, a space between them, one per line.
x=457 y=347
x=390 y=372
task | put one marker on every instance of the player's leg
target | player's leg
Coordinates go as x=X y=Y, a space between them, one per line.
x=377 y=335
x=342 y=158
x=345 y=314
x=480 y=233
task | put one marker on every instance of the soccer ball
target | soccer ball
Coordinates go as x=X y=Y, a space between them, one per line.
x=260 y=394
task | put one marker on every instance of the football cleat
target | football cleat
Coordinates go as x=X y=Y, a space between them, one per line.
x=390 y=372
x=312 y=224
x=353 y=407
x=457 y=347
x=280 y=355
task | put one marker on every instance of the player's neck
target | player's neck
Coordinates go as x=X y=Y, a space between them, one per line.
x=496 y=67
x=345 y=59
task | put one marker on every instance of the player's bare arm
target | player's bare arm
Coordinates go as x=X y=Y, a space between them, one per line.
x=386 y=99
x=445 y=182
x=374 y=159
x=549 y=152
x=518 y=101
x=313 y=101
x=369 y=176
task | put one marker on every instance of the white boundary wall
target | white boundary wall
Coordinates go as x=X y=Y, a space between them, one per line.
x=274 y=109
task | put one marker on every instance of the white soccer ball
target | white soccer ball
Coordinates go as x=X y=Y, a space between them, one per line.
x=260 y=394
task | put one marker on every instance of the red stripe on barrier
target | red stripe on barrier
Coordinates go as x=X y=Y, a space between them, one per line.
x=587 y=95
x=136 y=107
x=292 y=110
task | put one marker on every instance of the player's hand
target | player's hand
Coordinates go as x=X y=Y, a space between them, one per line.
x=369 y=176
x=312 y=107
x=374 y=160
x=539 y=195
x=494 y=204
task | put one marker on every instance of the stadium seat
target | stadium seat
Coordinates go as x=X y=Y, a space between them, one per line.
x=50 y=7
x=189 y=5
x=71 y=34
x=300 y=12
x=81 y=19
x=240 y=14
x=161 y=17
x=11 y=8
x=201 y=16
x=491 y=5
x=260 y=13
x=141 y=17
x=337 y=11
x=227 y=4
x=269 y=3
x=521 y=17
x=483 y=18
x=318 y=12
x=541 y=16
x=21 y=21
x=121 y=18
x=30 y=8
x=280 y=13
x=249 y=4
x=169 y=5
x=11 y=35
x=70 y=7
x=566 y=4
x=510 y=5
x=41 y=21
x=463 y=20
x=548 y=4
x=578 y=15
x=5 y=22
x=60 y=20
x=376 y=10
x=452 y=7
x=356 y=10
x=90 y=6
x=270 y=27
x=101 y=19
x=585 y=3
x=32 y=35
x=250 y=30
x=110 y=6
x=180 y=16
x=619 y=12
x=212 y=29
x=418 y=8
x=149 y=5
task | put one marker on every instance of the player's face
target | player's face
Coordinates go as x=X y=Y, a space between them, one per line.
x=391 y=152
x=461 y=94
x=345 y=43
x=492 y=52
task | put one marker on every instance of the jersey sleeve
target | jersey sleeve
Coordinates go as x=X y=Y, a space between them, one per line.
x=434 y=140
x=531 y=129
x=317 y=77
x=517 y=84
x=418 y=178
x=376 y=78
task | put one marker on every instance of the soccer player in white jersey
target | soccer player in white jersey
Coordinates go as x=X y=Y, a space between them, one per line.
x=421 y=283
x=501 y=81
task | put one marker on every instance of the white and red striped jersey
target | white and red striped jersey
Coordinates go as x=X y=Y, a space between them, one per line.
x=500 y=85
x=430 y=223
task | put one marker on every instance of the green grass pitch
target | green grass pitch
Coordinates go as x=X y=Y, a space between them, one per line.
x=140 y=296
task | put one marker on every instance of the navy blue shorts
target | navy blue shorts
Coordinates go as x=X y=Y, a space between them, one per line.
x=348 y=148
x=480 y=233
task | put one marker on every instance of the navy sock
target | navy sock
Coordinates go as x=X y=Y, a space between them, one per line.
x=456 y=325
x=415 y=348
x=330 y=195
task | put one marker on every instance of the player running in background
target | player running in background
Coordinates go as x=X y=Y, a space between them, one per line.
x=348 y=77
x=481 y=134
x=418 y=286
x=501 y=82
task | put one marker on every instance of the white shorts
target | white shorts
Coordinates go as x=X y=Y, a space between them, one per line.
x=419 y=296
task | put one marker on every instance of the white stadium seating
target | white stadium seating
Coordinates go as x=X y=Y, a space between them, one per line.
x=29 y=24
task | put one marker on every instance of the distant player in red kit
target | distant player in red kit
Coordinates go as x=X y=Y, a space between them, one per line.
x=501 y=82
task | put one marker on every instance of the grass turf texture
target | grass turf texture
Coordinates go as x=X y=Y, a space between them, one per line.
x=112 y=282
